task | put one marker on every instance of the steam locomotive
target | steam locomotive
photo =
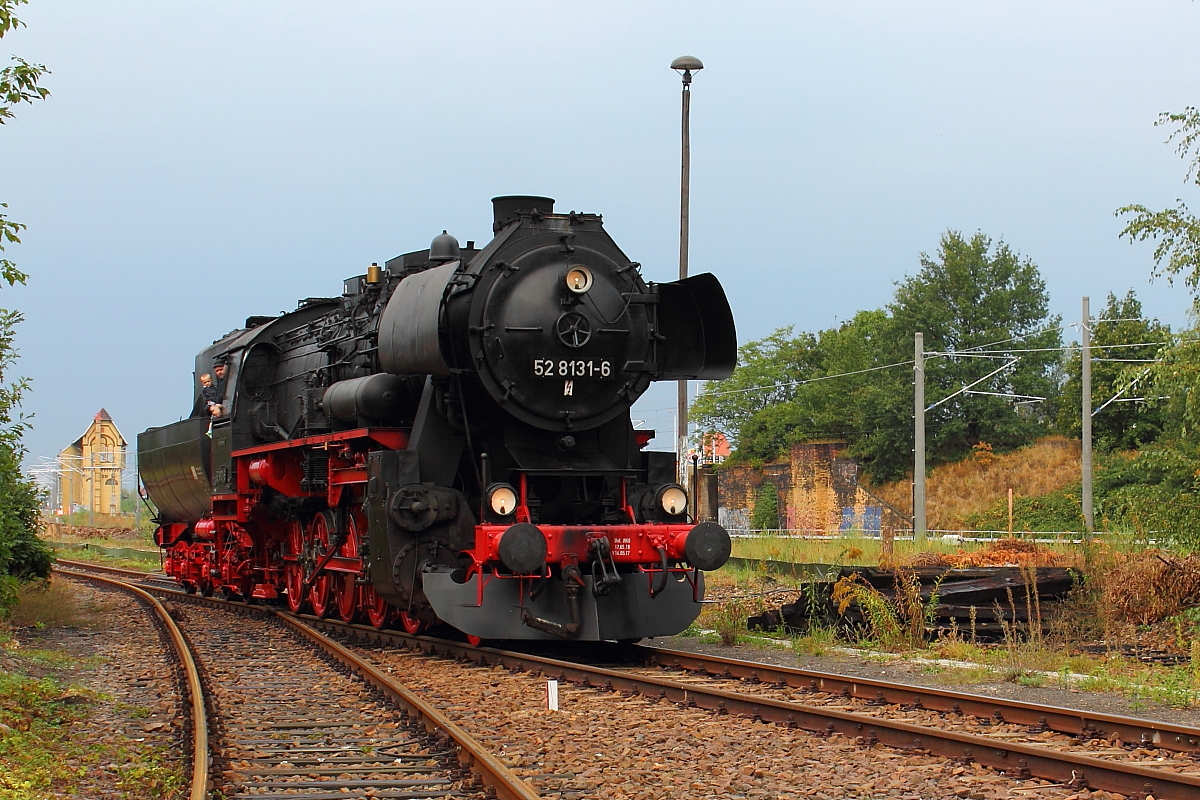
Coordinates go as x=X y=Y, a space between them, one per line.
x=449 y=442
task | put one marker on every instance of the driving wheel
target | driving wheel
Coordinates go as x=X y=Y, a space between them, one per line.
x=293 y=570
x=379 y=613
x=320 y=595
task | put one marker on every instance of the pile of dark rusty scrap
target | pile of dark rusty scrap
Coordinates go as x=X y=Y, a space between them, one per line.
x=979 y=602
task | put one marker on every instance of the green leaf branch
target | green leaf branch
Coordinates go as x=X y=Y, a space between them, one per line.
x=1176 y=231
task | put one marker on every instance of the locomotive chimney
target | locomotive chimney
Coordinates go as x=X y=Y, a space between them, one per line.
x=504 y=208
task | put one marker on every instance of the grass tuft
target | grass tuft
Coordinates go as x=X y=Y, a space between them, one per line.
x=818 y=640
x=55 y=604
x=728 y=617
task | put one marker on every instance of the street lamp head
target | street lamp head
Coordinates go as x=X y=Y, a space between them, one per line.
x=687 y=63
x=685 y=66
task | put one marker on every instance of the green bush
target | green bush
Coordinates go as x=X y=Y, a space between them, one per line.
x=1058 y=511
x=23 y=556
x=766 y=508
x=1154 y=493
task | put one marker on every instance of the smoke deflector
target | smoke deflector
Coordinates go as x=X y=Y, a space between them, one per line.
x=696 y=323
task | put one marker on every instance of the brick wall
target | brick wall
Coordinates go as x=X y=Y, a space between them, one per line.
x=818 y=491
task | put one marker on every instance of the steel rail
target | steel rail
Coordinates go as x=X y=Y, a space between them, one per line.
x=473 y=755
x=1074 y=722
x=1154 y=733
x=200 y=751
x=1022 y=760
x=137 y=573
x=1017 y=759
x=470 y=753
x=121 y=571
x=1169 y=736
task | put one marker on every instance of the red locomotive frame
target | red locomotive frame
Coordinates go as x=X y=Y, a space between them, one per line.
x=241 y=550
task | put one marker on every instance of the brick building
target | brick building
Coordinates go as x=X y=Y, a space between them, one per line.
x=89 y=469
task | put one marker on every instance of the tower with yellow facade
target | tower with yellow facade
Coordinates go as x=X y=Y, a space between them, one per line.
x=90 y=469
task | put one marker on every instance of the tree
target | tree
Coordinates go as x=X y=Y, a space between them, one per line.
x=854 y=382
x=22 y=555
x=789 y=389
x=1120 y=373
x=987 y=303
x=1176 y=230
x=1157 y=492
x=767 y=375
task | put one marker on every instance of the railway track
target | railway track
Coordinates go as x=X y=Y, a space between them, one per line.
x=157 y=579
x=291 y=713
x=903 y=717
x=1134 y=757
x=195 y=713
x=1077 y=723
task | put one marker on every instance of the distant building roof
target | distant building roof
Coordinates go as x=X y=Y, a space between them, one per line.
x=102 y=416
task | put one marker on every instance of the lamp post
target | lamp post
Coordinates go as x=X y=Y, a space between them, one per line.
x=695 y=484
x=685 y=66
x=1085 y=341
x=137 y=495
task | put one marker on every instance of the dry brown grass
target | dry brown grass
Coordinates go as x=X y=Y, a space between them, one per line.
x=1145 y=586
x=955 y=491
x=1005 y=552
x=56 y=604
x=56 y=531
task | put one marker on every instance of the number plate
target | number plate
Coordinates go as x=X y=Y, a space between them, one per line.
x=571 y=368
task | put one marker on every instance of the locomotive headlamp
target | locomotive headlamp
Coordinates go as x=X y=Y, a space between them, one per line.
x=672 y=499
x=579 y=279
x=501 y=499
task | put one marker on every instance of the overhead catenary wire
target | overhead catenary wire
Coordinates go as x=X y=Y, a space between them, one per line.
x=1057 y=328
x=1065 y=347
x=994 y=372
x=1015 y=338
x=1029 y=398
x=978 y=351
x=968 y=352
x=947 y=354
x=1125 y=389
x=803 y=381
x=965 y=352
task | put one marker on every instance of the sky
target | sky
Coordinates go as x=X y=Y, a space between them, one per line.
x=200 y=163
